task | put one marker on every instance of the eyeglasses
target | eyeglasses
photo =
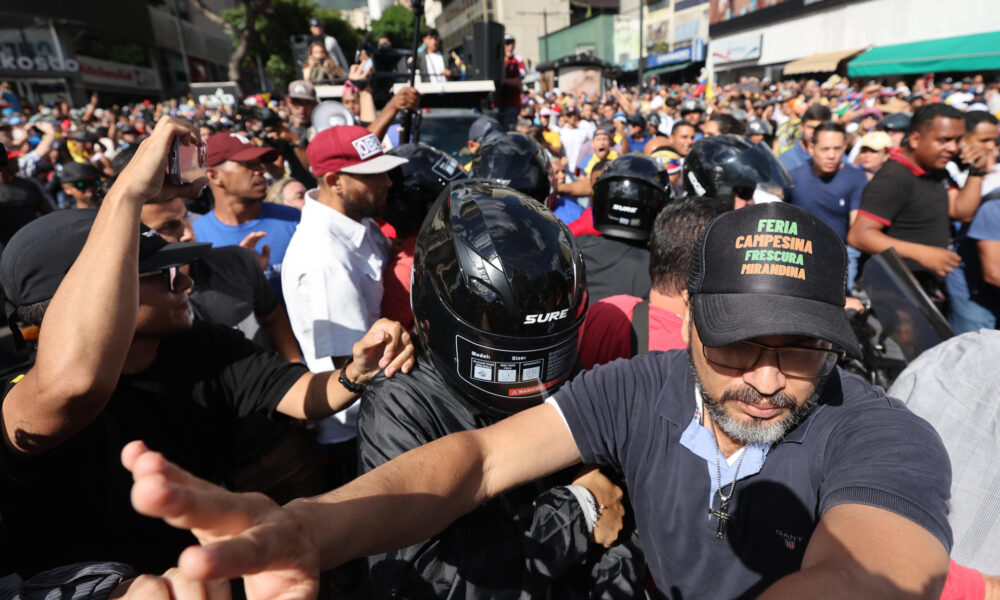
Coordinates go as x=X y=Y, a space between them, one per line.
x=170 y=273
x=88 y=183
x=798 y=362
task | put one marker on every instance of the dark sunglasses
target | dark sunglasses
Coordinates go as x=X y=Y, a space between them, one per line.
x=170 y=273
x=88 y=183
x=793 y=361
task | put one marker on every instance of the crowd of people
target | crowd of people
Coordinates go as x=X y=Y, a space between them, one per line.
x=436 y=338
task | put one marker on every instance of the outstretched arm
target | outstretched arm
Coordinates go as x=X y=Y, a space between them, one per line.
x=404 y=501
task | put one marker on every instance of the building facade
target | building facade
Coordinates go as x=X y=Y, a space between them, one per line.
x=761 y=42
x=123 y=49
x=527 y=20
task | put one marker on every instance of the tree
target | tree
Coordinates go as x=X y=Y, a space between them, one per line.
x=239 y=23
x=396 y=23
x=267 y=26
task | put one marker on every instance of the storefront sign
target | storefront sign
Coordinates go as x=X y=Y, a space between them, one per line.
x=693 y=53
x=214 y=95
x=32 y=52
x=737 y=49
x=105 y=72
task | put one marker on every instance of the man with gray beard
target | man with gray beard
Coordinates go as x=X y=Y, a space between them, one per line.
x=769 y=473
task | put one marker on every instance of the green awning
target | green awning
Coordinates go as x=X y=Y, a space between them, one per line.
x=667 y=68
x=979 y=52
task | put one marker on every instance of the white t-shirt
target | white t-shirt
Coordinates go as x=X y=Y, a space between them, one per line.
x=435 y=69
x=572 y=141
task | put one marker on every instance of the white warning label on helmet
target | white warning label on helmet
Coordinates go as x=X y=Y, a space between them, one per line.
x=509 y=372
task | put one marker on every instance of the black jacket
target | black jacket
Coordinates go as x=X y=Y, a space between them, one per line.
x=531 y=542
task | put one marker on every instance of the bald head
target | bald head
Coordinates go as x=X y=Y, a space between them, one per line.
x=655 y=143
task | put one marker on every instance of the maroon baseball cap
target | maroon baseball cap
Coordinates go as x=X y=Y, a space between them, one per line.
x=237 y=147
x=349 y=149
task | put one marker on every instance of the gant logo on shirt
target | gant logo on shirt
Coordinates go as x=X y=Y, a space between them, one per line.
x=367 y=146
x=791 y=541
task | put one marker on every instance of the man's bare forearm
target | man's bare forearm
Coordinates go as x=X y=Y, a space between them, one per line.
x=279 y=332
x=967 y=201
x=84 y=337
x=400 y=503
x=846 y=581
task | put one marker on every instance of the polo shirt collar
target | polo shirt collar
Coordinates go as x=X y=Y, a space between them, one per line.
x=338 y=223
x=897 y=155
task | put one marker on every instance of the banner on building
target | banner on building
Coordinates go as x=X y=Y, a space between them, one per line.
x=731 y=15
x=746 y=47
x=95 y=71
x=626 y=38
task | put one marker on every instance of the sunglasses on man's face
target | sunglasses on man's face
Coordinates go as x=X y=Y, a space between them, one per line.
x=169 y=274
x=88 y=183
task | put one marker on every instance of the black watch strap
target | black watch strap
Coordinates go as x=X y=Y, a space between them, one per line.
x=351 y=386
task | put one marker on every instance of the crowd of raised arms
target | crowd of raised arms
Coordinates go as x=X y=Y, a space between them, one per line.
x=618 y=345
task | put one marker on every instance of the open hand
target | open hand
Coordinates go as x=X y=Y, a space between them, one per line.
x=250 y=243
x=241 y=534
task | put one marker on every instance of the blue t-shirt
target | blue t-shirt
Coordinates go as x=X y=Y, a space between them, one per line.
x=966 y=281
x=857 y=447
x=830 y=199
x=795 y=157
x=566 y=209
x=278 y=221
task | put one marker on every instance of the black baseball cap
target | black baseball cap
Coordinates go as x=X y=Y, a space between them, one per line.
x=39 y=255
x=770 y=269
x=71 y=172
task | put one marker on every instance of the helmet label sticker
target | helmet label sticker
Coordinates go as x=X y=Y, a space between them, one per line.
x=446 y=167
x=514 y=372
x=698 y=188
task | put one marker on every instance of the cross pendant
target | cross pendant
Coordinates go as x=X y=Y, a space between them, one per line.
x=723 y=516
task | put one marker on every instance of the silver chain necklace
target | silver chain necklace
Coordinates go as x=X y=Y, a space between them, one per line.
x=723 y=513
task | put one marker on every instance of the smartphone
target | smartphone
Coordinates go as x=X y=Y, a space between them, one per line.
x=185 y=162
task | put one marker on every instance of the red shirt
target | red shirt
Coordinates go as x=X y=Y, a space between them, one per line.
x=513 y=67
x=607 y=332
x=396 y=287
x=584 y=224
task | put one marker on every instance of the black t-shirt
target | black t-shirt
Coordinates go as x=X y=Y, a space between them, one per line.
x=614 y=267
x=71 y=504
x=231 y=290
x=912 y=207
x=20 y=201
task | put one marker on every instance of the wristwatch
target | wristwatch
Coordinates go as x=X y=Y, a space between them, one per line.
x=978 y=172
x=351 y=386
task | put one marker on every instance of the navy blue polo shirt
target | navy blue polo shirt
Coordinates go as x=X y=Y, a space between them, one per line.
x=831 y=199
x=857 y=447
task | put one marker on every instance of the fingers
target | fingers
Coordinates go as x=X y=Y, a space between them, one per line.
x=183 y=587
x=250 y=241
x=265 y=254
x=187 y=190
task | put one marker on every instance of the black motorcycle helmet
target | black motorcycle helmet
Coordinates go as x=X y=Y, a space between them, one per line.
x=758 y=127
x=718 y=165
x=516 y=161
x=498 y=295
x=628 y=194
x=692 y=105
x=894 y=122
x=417 y=184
